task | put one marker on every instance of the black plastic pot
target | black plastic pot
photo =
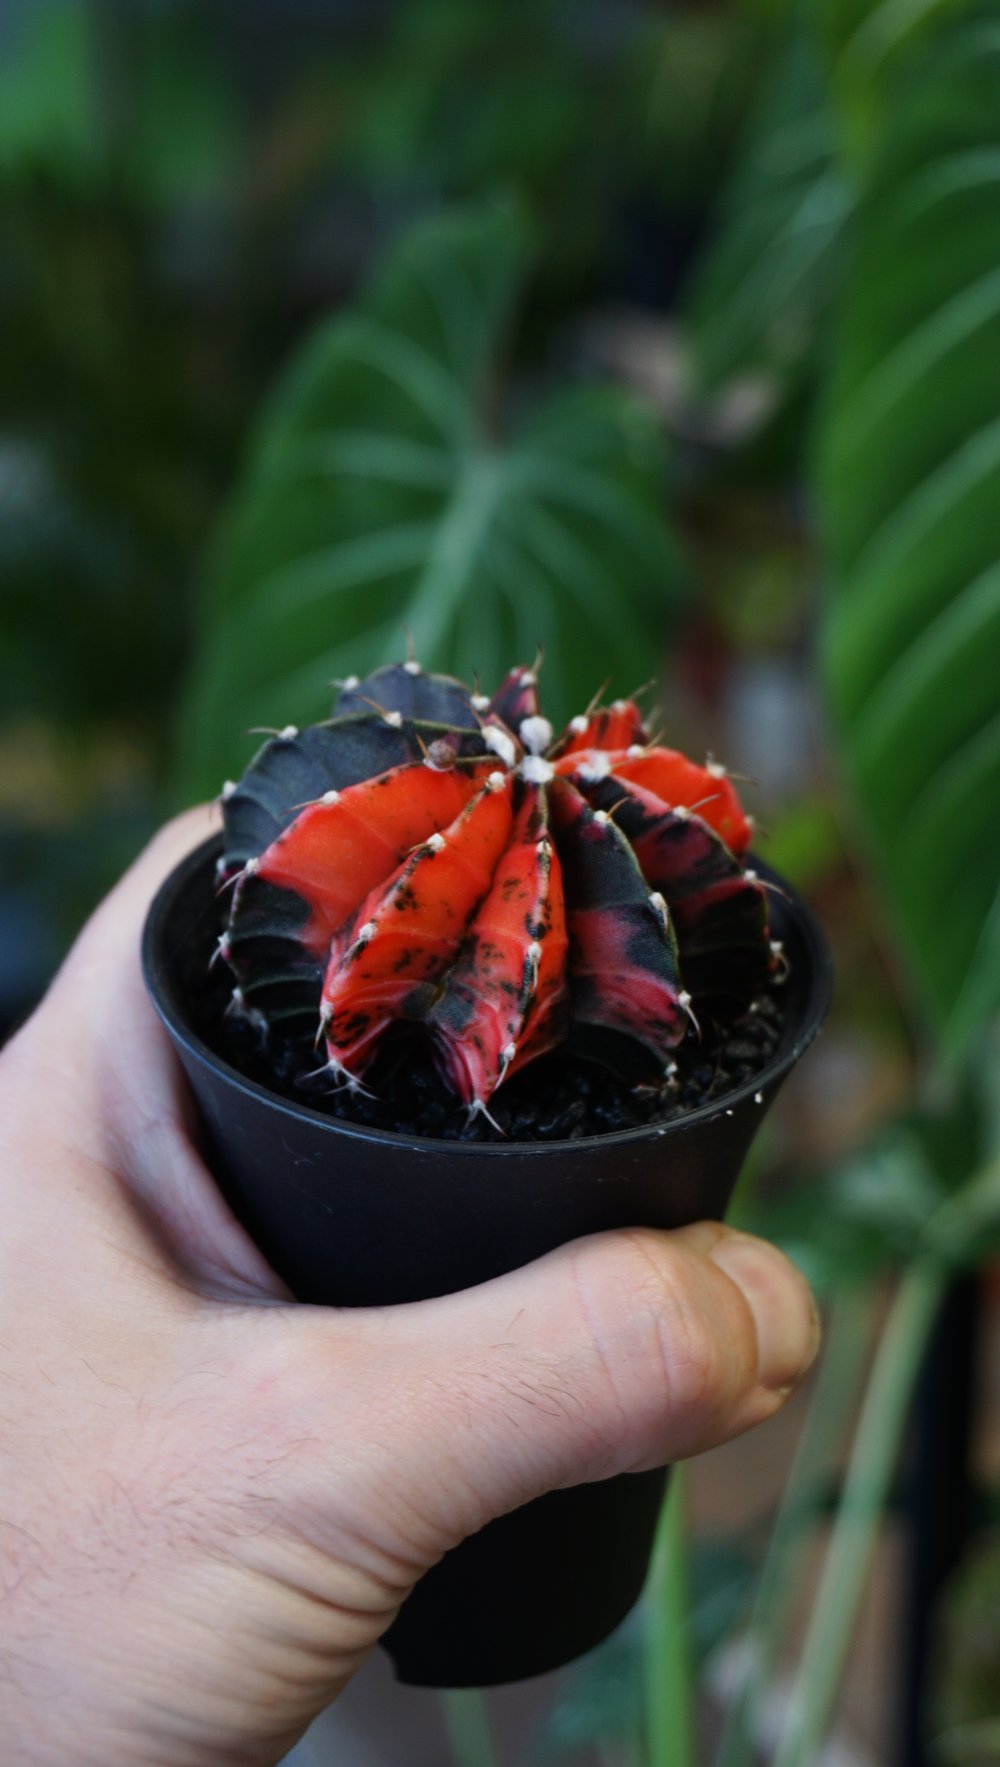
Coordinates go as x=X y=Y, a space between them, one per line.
x=350 y=1216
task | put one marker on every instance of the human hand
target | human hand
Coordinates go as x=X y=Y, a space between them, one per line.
x=215 y=1500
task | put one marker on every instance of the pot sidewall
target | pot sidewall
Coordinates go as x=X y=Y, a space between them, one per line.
x=355 y=1217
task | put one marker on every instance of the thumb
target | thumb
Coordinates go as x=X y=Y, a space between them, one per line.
x=619 y=1352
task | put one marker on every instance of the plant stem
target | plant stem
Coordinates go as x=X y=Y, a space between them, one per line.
x=468 y=1726
x=973 y=1210
x=855 y=1529
x=668 y=1668
x=847 y=1338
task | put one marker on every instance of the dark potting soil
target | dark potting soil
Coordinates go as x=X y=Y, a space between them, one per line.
x=602 y=1085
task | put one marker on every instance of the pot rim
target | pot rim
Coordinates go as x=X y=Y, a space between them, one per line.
x=796 y=1042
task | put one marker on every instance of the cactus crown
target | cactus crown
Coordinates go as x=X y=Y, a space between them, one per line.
x=435 y=856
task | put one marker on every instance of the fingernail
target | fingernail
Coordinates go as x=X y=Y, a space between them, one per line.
x=785 y=1314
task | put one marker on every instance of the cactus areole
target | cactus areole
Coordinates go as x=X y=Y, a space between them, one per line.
x=435 y=857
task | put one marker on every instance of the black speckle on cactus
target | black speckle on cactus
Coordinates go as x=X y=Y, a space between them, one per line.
x=434 y=856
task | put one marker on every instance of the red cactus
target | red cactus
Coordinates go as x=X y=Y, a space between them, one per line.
x=434 y=856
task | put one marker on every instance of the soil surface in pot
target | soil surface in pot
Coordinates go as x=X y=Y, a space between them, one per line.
x=593 y=1089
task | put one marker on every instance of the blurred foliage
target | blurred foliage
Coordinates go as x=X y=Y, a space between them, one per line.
x=110 y=93
x=601 y=1700
x=893 y=114
x=118 y=408
x=967 y=1719
x=572 y=104
x=910 y=487
x=877 y=1210
x=174 y=204
x=806 y=843
x=103 y=495
x=856 y=263
x=388 y=495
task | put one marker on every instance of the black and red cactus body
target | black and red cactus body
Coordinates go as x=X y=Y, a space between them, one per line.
x=434 y=856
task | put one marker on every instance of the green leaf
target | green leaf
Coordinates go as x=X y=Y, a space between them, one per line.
x=910 y=506
x=770 y=271
x=387 y=495
x=868 y=35
x=48 y=108
x=92 y=97
x=782 y=242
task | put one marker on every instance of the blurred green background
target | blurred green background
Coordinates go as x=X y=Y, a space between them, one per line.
x=668 y=338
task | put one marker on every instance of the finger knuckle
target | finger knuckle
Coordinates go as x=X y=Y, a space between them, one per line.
x=693 y=1357
x=647 y=1319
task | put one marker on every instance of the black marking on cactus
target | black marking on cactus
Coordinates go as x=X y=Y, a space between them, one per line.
x=719 y=913
x=266 y=955
x=516 y=699
x=405 y=688
x=623 y=964
x=289 y=772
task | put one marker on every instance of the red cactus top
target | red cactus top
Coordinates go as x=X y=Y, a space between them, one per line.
x=435 y=856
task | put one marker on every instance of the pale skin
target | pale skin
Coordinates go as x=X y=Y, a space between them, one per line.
x=213 y=1500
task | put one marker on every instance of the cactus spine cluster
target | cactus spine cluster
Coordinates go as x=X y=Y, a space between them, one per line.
x=433 y=856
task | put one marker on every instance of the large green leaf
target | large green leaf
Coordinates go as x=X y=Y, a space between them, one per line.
x=910 y=500
x=777 y=256
x=771 y=268
x=385 y=496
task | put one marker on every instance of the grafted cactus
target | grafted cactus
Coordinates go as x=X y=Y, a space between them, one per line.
x=435 y=856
